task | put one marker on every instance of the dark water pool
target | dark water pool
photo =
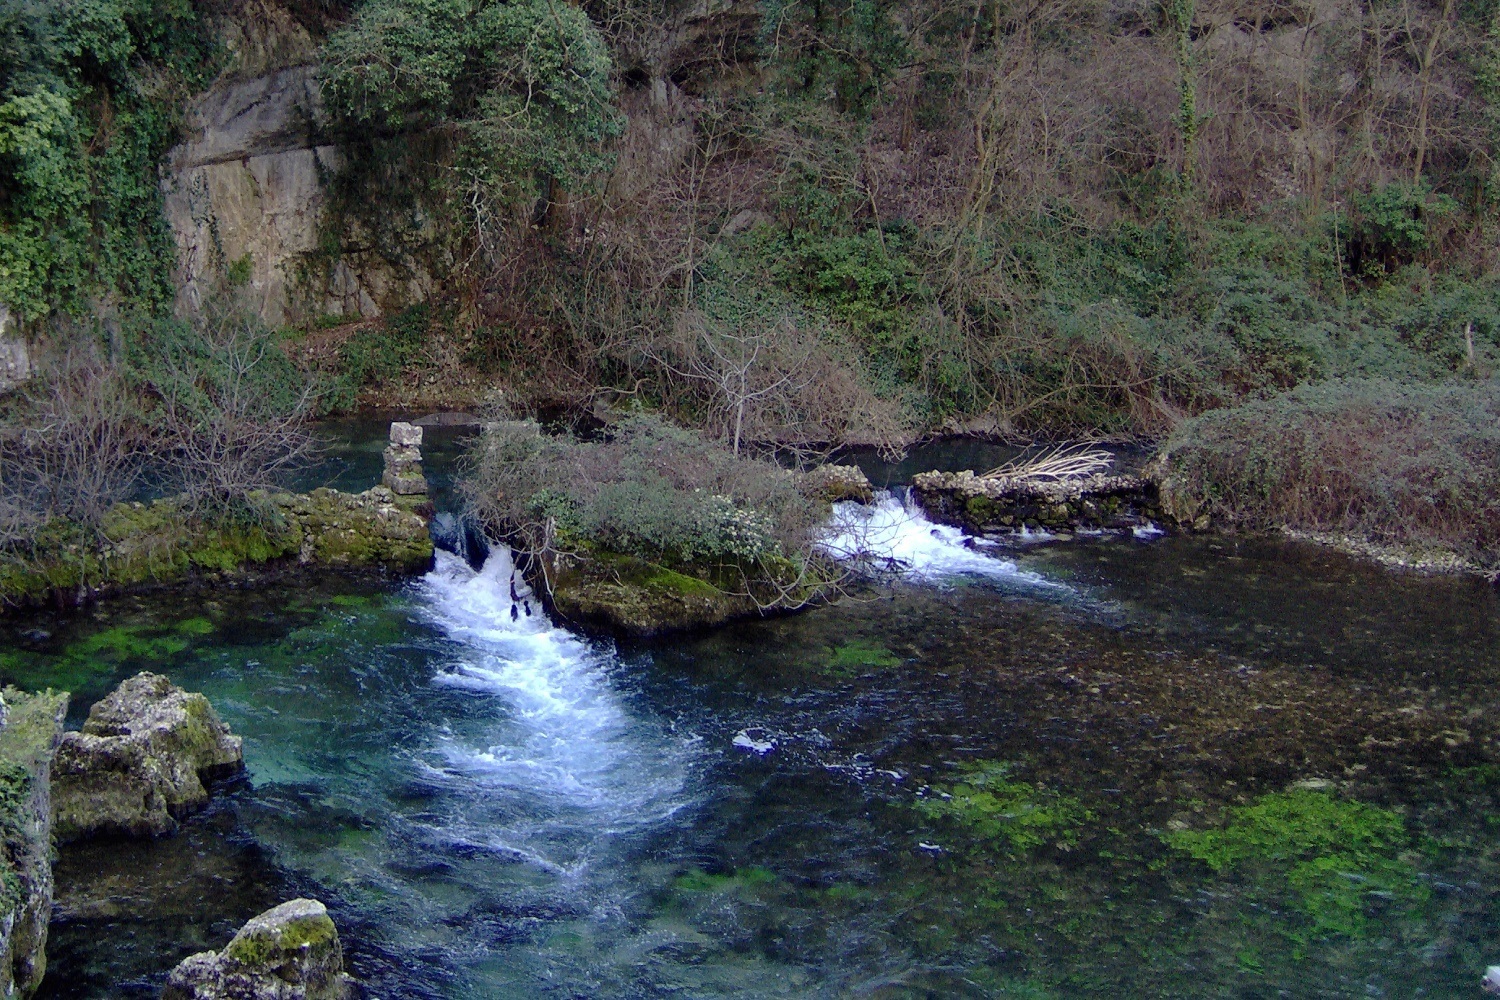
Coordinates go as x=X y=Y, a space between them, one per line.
x=1109 y=767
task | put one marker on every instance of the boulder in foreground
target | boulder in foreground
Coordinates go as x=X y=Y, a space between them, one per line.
x=142 y=761
x=290 y=952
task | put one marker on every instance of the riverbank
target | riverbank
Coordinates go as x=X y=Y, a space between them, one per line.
x=146 y=545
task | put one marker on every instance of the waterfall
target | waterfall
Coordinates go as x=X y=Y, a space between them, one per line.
x=893 y=537
x=566 y=760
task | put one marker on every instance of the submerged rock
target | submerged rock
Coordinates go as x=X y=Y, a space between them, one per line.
x=982 y=504
x=290 y=952
x=142 y=761
x=28 y=740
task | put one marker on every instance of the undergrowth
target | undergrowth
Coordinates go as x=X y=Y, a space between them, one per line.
x=1408 y=463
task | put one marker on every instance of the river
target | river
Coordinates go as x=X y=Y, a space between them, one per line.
x=1124 y=766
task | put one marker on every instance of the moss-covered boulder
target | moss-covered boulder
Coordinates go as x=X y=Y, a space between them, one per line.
x=369 y=529
x=29 y=736
x=290 y=952
x=984 y=504
x=629 y=597
x=142 y=761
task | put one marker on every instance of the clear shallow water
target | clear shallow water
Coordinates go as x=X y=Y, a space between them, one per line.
x=494 y=807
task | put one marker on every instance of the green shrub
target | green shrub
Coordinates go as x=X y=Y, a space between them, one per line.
x=649 y=489
x=1389 y=226
x=1398 y=462
x=379 y=353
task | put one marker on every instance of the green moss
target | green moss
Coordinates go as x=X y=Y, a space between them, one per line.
x=988 y=804
x=861 y=653
x=263 y=946
x=26 y=744
x=737 y=881
x=194 y=626
x=1333 y=855
x=678 y=583
x=158 y=542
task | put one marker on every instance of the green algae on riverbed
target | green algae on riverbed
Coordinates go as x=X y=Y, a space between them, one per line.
x=986 y=803
x=802 y=872
x=1336 y=857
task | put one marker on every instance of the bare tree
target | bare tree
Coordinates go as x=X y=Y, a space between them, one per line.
x=76 y=445
x=234 y=422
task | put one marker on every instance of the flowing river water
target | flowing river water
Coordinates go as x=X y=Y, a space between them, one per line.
x=1117 y=766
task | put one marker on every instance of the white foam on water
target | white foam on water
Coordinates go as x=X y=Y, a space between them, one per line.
x=567 y=761
x=890 y=536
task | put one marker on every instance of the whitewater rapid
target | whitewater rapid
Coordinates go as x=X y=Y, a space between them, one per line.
x=566 y=761
x=892 y=537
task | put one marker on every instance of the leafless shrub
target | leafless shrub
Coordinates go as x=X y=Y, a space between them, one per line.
x=1068 y=461
x=76 y=443
x=233 y=413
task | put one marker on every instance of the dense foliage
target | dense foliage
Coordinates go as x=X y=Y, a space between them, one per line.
x=832 y=222
x=90 y=98
x=525 y=86
x=1396 y=462
x=649 y=490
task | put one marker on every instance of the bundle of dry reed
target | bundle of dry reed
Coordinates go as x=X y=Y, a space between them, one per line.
x=1069 y=461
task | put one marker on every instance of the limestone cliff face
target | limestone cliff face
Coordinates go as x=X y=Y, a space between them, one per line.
x=247 y=186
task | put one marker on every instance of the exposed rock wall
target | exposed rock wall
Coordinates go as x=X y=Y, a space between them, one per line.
x=247 y=186
x=29 y=737
x=15 y=359
x=980 y=504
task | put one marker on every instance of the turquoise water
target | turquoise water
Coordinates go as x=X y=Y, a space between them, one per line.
x=1180 y=767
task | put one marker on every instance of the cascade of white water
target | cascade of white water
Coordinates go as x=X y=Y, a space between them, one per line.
x=893 y=536
x=567 y=760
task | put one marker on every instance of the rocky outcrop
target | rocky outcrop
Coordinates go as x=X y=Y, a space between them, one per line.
x=369 y=529
x=145 y=545
x=143 y=760
x=837 y=483
x=246 y=187
x=29 y=736
x=290 y=952
x=982 y=504
x=15 y=358
x=403 y=462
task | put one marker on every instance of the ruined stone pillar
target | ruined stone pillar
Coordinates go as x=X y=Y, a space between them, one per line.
x=403 y=461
